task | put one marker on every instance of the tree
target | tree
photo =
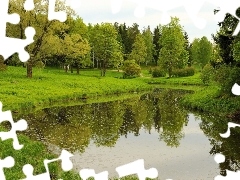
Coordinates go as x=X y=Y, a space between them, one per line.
x=225 y=40
x=123 y=32
x=201 y=51
x=139 y=51
x=187 y=48
x=107 y=50
x=45 y=29
x=75 y=49
x=157 y=47
x=173 y=53
x=204 y=51
x=148 y=39
x=194 y=50
x=132 y=33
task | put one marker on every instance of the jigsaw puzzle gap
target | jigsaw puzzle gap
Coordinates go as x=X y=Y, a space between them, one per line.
x=137 y=167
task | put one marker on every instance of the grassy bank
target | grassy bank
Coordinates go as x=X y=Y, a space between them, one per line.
x=50 y=87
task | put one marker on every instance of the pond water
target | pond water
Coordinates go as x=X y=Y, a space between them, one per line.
x=102 y=136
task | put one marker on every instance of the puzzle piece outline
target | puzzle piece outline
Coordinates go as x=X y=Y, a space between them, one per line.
x=10 y=46
x=66 y=165
x=20 y=125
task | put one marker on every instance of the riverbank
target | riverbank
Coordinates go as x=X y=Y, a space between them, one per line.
x=50 y=87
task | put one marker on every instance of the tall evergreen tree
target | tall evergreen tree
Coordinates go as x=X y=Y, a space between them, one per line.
x=156 y=37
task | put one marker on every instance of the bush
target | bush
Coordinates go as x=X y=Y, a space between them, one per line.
x=226 y=77
x=189 y=71
x=207 y=74
x=131 y=69
x=39 y=64
x=3 y=67
x=158 y=72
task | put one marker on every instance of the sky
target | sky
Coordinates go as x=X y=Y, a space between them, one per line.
x=129 y=11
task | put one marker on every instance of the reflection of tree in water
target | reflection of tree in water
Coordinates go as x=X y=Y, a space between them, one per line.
x=157 y=115
x=129 y=125
x=212 y=126
x=172 y=118
x=58 y=126
x=73 y=127
x=106 y=122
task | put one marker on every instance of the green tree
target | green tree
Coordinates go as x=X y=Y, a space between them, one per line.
x=204 y=51
x=173 y=53
x=45 y=30
x=194 y=51
x=75 y=50
x=157 y=47
x=107 y=50
x=132 y=33
x=139 y=51
x=148 y=39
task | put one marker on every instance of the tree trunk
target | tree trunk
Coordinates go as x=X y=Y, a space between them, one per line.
x=29 y=68
x=66 y=68
x=71 y=69
x=170 y=72
x=104 y=69
x=78 y=69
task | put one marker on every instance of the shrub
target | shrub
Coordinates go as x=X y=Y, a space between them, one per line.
x=39 y=64
x=226 y=77
x=3 y=67
x=207 y=74
x=131 y=69
x=158 y=72
x=188 y=71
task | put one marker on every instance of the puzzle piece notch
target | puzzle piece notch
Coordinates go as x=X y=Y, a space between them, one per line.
x=29 y=5
x=230 y=125
x=236 y=89
x=231 y=175
x=192 y=9
x=21 y=125
x=137 y=167
x=66 y=165
x=227 y=7
x=52 y=14
x=8 y=162
x=87 y=173
x=9 y=46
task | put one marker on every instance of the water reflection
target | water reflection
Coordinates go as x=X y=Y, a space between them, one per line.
x=212 y=126
x=73 y=127
x=158 y=114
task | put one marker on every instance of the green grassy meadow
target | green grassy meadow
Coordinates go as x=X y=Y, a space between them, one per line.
x=51 y=86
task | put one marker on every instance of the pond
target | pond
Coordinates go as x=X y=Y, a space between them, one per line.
x=153 y=126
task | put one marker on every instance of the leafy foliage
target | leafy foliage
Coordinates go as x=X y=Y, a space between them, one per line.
x=201 y=51
x=226 y=76
x=131 y=69
x=173 y=53
x=106 y=48
x=158 y=72
x=139 y=52
x=188 y=71
x=207 y=74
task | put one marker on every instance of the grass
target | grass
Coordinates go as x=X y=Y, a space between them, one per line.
x=50 y=86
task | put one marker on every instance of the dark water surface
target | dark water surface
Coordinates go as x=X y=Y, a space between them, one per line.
x=102 y=136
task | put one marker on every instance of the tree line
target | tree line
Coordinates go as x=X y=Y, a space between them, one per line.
x=78 y=45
